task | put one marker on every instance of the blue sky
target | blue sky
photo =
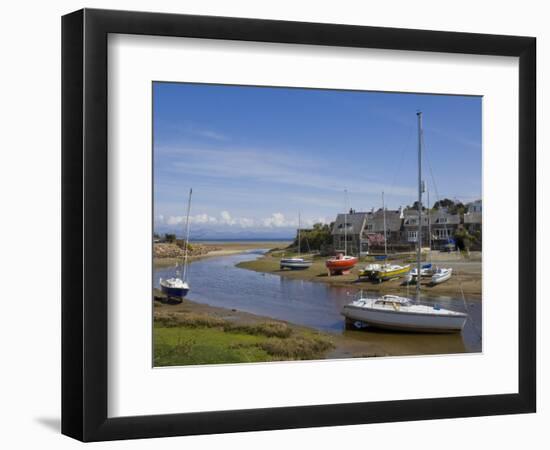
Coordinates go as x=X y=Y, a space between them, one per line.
x=256 y=156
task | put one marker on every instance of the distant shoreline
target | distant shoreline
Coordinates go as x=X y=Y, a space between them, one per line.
x=223 y=248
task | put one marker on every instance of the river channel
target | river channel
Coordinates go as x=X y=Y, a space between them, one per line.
x=218 y=282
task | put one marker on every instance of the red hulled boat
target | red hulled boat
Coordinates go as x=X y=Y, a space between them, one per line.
x=341 y=264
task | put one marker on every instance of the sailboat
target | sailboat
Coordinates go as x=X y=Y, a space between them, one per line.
x=401 y=313
x=177 y=286
x=383 y=272
x=342 y=263
x=296 y=263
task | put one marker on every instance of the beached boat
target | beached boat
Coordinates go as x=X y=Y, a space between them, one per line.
x=427 y=270
x=174 y=287
x=369 y=270
x=402 y=314
x=296 y=263
x=177 y=286
x=340 y=263
x=441 y=275
x=390 y=271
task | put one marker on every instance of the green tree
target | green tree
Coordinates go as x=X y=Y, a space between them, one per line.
x=169 y=237
x=318 y=238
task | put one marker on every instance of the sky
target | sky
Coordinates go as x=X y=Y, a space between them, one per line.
x=257 y=158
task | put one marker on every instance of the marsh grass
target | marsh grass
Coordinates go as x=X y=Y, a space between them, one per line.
x=194 y=338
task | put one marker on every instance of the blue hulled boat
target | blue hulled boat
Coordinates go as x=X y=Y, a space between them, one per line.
x=177 y=287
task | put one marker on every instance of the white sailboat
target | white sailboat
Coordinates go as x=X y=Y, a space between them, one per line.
x=177 y=286
x=296 y=263
x=400 y=313
x=441 y=274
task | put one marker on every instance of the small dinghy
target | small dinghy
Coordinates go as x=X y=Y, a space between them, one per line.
x=390 y=271
x=426 y=271
x=295 y=263
x=441 y=275
x=369 y=270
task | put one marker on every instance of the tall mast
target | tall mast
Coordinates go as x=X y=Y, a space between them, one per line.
x=419 y=233
x=187 y=236
x=346 y=225
x=299 y=246
x=429 y=223
x=385 y=234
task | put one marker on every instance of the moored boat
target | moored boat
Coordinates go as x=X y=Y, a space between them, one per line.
x=174 y=287
x=390 y=271
x=296 y=263
x=369 y=270
x=441 y=275
x=177 y=287
x=340 y=264
x=402 y=314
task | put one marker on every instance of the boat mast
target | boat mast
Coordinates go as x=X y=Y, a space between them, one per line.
x=187 y=236
x=419 y=236
x=299 y=246
x=346 y=225
x=429 y=224
x=385 y=234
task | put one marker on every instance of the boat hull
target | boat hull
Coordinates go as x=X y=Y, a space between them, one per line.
x=390 y=274
x=339 y=266
x=295 y=265
x=174 y=291
x=395 y=320
x=441 y=278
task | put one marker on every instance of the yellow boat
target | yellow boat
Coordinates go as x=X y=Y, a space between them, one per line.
x=389 y=271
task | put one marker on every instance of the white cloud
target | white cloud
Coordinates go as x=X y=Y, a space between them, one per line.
x=226 y=219
x=277 y=220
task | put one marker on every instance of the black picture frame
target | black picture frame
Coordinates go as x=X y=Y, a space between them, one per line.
x=84 y=224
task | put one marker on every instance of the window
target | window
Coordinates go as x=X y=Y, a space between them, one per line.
x=442 y=233
x=441 y=220
x=412 y=236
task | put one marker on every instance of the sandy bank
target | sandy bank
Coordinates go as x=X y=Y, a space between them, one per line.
x=466 y=278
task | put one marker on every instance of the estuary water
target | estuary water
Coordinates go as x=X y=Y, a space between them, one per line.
x=218 y=282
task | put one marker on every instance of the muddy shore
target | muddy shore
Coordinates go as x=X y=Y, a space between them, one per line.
x=466 y=277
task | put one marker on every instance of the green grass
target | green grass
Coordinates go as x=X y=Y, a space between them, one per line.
x=187 y=339
x=185 y=346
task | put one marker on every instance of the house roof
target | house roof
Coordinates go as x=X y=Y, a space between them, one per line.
x=354 y=221
x=435 y=218
x=376 y=219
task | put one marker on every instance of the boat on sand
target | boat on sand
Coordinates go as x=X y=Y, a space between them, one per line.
x=402 y=314
x=296 y=263
x=177 y=287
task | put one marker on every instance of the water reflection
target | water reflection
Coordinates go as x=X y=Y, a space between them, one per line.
x=216 y=281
